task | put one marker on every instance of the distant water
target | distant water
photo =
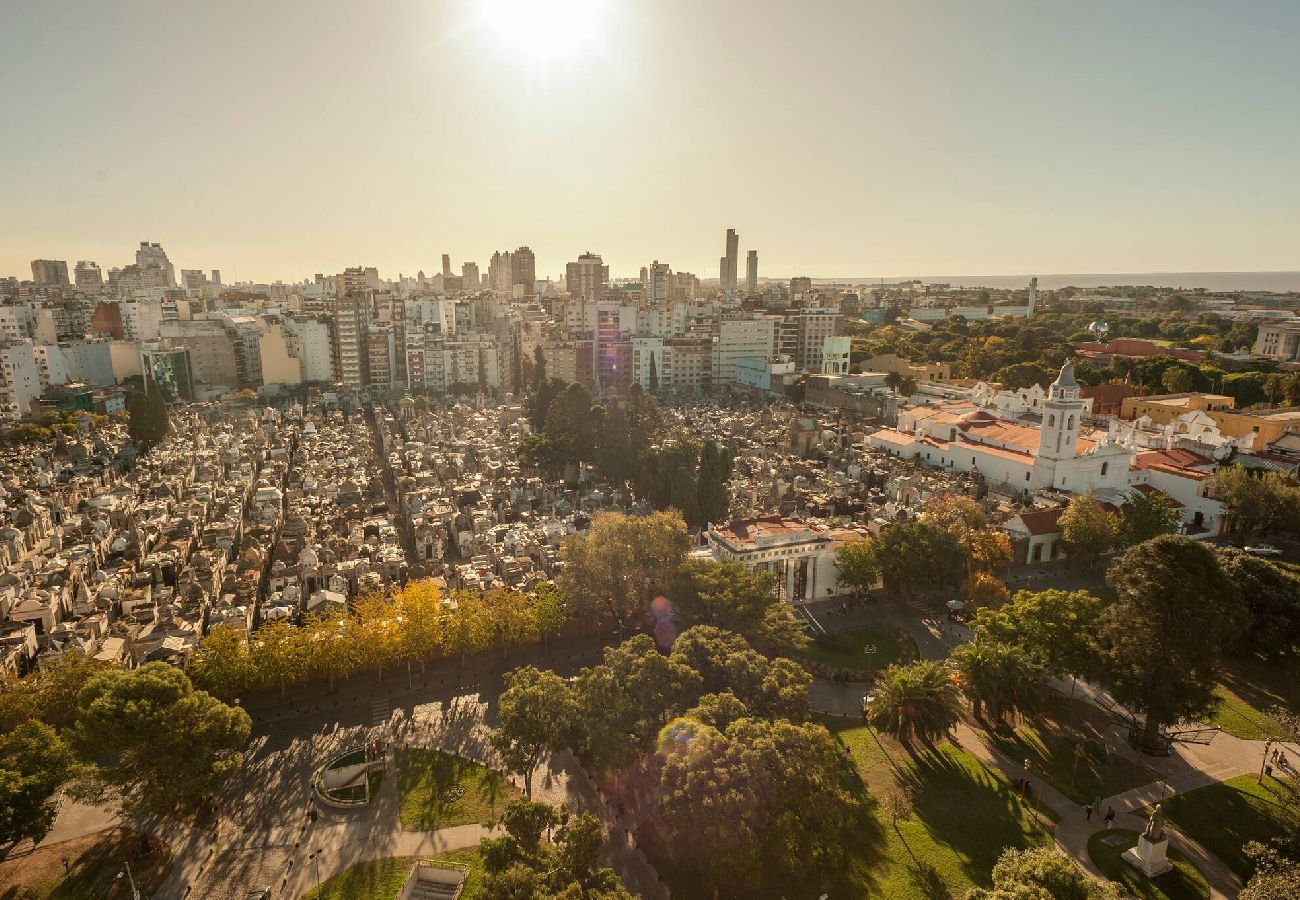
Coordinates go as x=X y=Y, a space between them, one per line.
x=1278 y=282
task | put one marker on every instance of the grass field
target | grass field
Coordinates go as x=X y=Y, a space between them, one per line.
x=1066 y=745
x=965 y=814
x=1248 y=690
x=382 y=879
x=439 y=790
x=1184 y=882
x=868 y=647
x=1223 y=817
x=84 y=867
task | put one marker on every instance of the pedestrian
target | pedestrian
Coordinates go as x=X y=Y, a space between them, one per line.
x=1088 y=813
x=1274 y=758
x=1110 y=816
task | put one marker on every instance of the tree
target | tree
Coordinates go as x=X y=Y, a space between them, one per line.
x=420 y=606
x=539 y=404
x=547 y=453
x=1162 y=638
x=551 y=610
x=575 y=416
x=148 y=424
x=711 y=485
x=984 y=590
x=1144 y=516
x=624 y=701
x=1271 y=595
x=718 y=710
x=1042 y=873
x=623 y=563
x=856 y=563
x=536 y=710
x=34 y=762
x=1276 y=876
x=1086 y=528
x=733 y=596
x=1275 y=386
x=519 y=865
x=222 y=665
x=918 y=701
x=918 y=558
x=1057 y=628
x=1178 y=380
x=723 y=661
x=1001 y=677
x=163 y=745
x=654 y=375
x=756 y=803
x=1257 y=503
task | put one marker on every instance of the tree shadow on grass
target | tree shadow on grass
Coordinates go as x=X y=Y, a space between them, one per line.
x=1223 y=819
x=439 y=790
x=968 y=808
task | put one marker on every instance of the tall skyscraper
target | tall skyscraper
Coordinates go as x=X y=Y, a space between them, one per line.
x=751 y=271
x=88 y=274
x=523 y=270
x=733 y=248
x=446 y=264
x=587 y=277
x=352 y=328
x=1033 y=295
x=50 y=271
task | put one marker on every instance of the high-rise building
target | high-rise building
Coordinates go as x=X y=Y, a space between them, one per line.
x=1033 y=295
x=352 y=328
x=656 y=285
x=499 y=274
x=469 y=276
x=88 y=274
x=733 y=247
x=587 y=277
x=800 y=284
x=523 y=270
x=155 y=269
x=751 y=271
x=446 y=264
x=50 y=271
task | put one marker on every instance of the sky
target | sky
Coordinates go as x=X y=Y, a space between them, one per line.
x=840 y=138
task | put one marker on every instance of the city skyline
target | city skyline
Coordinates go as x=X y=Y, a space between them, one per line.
x=844 y=141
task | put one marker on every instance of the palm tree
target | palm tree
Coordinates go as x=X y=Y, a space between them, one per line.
x=907 y=386
x=917 y=701
x=893 y=380
x=999 y=676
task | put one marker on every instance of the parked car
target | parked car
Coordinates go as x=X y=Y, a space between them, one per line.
x=259 y=893
x=1262 y=550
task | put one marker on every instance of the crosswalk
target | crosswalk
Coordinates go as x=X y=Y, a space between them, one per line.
x=379 y=711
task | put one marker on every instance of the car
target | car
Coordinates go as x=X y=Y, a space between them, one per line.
x=259 y=893
x=1262 y=550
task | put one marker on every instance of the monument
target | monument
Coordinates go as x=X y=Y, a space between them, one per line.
x=1148 y=857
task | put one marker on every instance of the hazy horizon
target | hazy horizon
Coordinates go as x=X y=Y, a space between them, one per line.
x=273 y=141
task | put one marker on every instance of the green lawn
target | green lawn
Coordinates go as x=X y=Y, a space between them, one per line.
x=439 y=790
x=965 y=814
x=382 y=879
x=1247 y=691
x=1066 y=745
x=1184 y=882
x=1223 y=817
x=869 y=647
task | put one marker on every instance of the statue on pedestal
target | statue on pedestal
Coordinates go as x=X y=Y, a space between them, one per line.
x=1155 y=829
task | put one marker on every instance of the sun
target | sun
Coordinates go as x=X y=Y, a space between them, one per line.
x=541 y=31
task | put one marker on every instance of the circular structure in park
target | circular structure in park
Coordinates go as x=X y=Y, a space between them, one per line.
x=350 y=779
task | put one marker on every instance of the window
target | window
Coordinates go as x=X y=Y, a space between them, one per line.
x=1104 y=467
x=1051 y=421
x=1070 y=423
x=1026 y=476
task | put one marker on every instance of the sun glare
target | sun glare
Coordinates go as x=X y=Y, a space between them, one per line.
x=543 y=31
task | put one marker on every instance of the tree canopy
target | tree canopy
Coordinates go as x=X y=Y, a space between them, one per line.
x=1163 y=636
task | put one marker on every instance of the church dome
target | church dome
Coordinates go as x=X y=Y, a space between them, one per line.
x=977 y=417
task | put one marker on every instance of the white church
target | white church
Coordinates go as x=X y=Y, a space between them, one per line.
x=1057 y=454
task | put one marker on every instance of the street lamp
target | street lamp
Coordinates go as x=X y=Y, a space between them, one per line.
x=126 y=867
